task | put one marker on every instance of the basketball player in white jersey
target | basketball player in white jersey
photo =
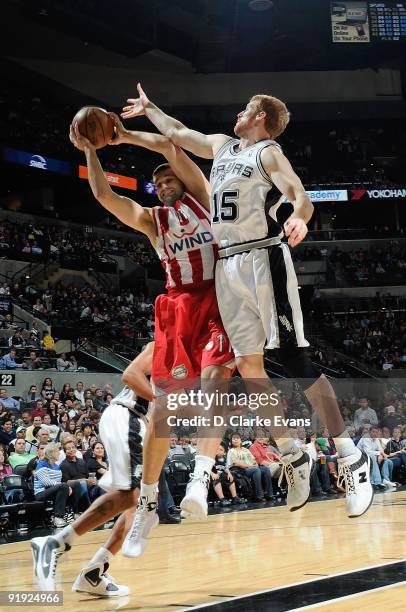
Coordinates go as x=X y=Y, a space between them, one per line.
x=122 y=429
x=255 y=279
x=189 y=336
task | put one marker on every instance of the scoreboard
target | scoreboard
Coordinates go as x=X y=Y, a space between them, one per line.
x=387 y=20
x=364 y=21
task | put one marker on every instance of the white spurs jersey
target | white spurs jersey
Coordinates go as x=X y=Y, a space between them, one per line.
x=239 y=187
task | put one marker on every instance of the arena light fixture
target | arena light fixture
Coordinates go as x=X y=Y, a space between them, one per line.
x=260 y=5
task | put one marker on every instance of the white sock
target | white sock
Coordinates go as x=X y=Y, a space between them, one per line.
x=150 y=491
x=344 y=445
x=203 y=464
x=68 y=535
x=103 y=555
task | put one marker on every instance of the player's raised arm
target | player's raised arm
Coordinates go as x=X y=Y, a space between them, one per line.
x=126 y=210
x=135 y=375
x=200 y=144
x=278 y=167
x=184 y=168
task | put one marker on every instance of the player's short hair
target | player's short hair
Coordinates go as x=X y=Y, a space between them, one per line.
x=277 y=115
x=159 y=169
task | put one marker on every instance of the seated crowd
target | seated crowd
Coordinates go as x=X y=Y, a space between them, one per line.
x=56 y=243
x=50 y=439
x=121 y=315
x=377 y=338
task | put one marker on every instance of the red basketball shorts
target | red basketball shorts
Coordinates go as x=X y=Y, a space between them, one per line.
x=189 y=336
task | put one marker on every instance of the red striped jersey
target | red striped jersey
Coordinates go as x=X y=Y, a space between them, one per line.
x=185 y=243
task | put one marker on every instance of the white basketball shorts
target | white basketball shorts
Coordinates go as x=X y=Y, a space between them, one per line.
x=258 y=298
x=122 y=433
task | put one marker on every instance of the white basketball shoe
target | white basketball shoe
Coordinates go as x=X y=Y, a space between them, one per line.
x=194 y=504
x=96 y=581
x=354 y=474
x=145 y=519
x=296 y=469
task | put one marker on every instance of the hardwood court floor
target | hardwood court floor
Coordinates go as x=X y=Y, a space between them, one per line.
x=237 y=553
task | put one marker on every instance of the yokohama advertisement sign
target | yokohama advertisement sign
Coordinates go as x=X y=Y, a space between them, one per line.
x=379 y=193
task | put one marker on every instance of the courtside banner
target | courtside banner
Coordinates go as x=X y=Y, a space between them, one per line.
x=34 y=160
x=378 y=193
x=119 y=180
x=327 y=195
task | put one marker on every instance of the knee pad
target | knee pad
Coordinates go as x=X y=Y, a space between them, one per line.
x=297 y=364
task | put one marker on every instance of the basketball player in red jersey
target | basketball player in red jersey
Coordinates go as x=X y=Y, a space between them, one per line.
x=257 y=289
x=189 y=337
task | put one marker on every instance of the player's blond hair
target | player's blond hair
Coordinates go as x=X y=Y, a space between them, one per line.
x=277 y=115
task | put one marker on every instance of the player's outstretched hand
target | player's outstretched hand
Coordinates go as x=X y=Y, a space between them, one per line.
x=78 y=140
x=295 y=230
x=119 y=130
x=136 y=106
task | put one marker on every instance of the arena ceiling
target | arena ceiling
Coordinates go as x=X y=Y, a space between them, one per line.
x=211 y=35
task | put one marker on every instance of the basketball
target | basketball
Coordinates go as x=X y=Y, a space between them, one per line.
x=95 y=124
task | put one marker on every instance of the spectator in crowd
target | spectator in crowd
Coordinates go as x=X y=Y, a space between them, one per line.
x=20 y=435
x=264 y=456
x=365 y=415
x=48 y=343
x=97 y=462
x=32 y=396
x=395 y=453
x=92 y=390
x=32 y=464
x=241 y=458
x=7 y=433
x=64 y=365
x=325 y=445
x=9 y=403
x=72 y=426
x=17 y=339
x=222 y=477
x=52 y=411
x=33 y=362
x=33 y=342
x=174 y=447
x=320 y=477
x=87 y=432
x=48 y=389
x=20 y=456
x=76 y=473
x=381 y=467
x=107 y=390
x=63 y=439
x=392 y=418
x=8 y=322
x=48 y=426
x=98 y=400
x=79 y=393
x=347 y=416
x=38 y=409
x=43 y=435
x=26 y=418
x=33 y=429
x=67 y=392
x=63 y=421
x=8 y=361
x=48 y=483
x=5 y=467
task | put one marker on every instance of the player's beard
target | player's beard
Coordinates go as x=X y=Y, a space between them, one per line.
x=170 y=200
